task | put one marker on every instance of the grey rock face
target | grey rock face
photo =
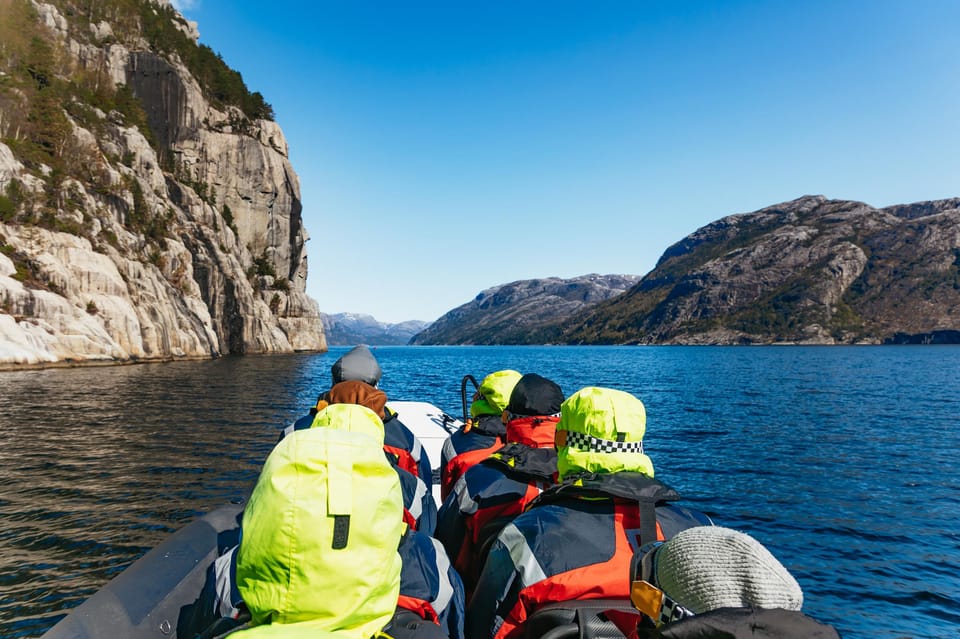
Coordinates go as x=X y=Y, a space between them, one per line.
x=227 y=274
x=523 y=312
x=808 y=271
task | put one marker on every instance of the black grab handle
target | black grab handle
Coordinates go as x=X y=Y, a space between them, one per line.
x=463 y=393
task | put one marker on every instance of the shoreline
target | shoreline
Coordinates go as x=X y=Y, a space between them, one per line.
x=12 y=367
x=7 y=367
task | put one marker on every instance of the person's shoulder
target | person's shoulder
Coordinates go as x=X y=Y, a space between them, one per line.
x=482 y=482
x=304 y=421
x=482 y=472
x=465 y=442
x=416 y=543
x=548 y=520
x=498 y=478
x=393 y=421
x=392 y=417
x=407 y=479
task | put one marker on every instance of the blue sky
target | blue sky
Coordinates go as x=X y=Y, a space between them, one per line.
x=447 y=147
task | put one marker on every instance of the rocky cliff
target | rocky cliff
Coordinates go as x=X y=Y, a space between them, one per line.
x=523 y=312
x=149 y=210
x=812 y=271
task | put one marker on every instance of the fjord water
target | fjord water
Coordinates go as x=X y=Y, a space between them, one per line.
x=842 y=460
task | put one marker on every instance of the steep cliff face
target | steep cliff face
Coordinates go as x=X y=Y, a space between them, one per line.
x=144 y=215
x=523 y=312
x=808 y=271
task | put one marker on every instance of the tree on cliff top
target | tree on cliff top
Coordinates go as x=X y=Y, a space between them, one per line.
x=166 y=32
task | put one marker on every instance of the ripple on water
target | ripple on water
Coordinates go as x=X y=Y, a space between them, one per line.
x=840 y=460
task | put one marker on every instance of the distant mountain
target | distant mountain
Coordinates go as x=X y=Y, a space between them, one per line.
x=522 y=312
x=808 y=271
x=811 y=270
x=346 y=329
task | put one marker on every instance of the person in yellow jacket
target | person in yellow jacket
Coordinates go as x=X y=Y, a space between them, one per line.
x=318 y=554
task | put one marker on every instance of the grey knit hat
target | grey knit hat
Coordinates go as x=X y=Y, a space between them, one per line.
x=709 y=567
x=358 y=364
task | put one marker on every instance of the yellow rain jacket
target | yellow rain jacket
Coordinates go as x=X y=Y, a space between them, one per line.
x=318 y=553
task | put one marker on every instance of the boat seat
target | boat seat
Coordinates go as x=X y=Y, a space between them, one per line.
x=579 y=619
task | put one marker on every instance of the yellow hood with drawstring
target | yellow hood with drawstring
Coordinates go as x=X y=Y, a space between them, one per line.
x=318 y=551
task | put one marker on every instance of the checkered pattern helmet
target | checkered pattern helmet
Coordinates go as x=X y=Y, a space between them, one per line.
x=601 y=431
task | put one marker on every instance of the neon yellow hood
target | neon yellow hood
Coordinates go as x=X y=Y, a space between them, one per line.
x=601 y=431
x=494 y=392
x=352 y=417
x=320 y=536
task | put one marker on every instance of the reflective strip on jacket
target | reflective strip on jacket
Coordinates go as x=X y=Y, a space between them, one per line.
x=420 y=510
x=490 y=495
x=399 y=440
x=466 y=448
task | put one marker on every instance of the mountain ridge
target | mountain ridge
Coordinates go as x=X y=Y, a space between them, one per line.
x=523 y=311
x=807 y=271
x=811 y=270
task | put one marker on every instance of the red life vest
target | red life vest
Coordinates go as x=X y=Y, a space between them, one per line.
x=575 y=541
x=604 y=580
x=535 y=432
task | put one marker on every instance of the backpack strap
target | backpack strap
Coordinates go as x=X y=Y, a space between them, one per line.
x=648 y=521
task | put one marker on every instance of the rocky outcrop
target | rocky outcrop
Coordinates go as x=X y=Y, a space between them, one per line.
x=178 y=236
x=523 y=312
x=347 y=329
x=812 y=271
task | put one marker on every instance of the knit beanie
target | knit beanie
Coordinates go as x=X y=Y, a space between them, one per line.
x=351 y=417
x=494 y=393
x=535 y=395
x=358 y=363
x=709 y=567
x=601 y=431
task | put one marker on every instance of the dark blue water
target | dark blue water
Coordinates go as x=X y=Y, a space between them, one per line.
x=841 y=460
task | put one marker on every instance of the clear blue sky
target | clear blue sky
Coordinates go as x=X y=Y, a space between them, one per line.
x=447 y=147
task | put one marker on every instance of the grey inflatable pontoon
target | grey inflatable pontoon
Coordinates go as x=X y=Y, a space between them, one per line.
x=145 y=600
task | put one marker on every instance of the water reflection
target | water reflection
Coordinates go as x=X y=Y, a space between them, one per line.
x=97 y=465
x=839 y=459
